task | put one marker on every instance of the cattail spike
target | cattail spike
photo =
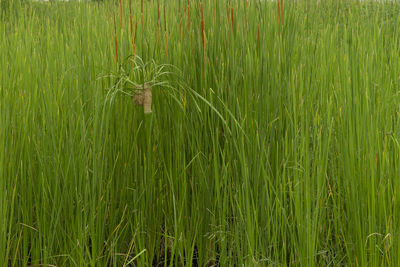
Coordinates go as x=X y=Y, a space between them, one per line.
x=130 y=18
x=233 y=28
x=188 y=14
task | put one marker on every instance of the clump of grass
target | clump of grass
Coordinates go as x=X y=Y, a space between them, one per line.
x=138 y=81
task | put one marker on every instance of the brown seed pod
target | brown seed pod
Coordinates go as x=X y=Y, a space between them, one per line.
x=143 y=97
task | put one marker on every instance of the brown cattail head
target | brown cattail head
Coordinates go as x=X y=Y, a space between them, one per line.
x=202 y=26
x=143 y=97
x=233 y=27
x=130 y=18
x=188 y=14
x=165 y=19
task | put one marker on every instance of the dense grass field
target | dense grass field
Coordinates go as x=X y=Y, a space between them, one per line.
x=274 y=138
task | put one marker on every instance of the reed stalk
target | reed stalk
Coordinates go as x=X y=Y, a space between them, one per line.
x=165 y=32
x=120 y=14
x=131 y=33
x=180 y=19
x=141 y=13
x=232 y=20
x=277 y=18
x=158 y=21
x=203 y=38
x=115 y=41
x=213 y=4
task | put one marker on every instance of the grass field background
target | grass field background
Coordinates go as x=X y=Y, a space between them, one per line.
x=274 y=137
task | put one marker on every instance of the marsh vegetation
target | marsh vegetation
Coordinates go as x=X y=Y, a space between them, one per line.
x=273 y=137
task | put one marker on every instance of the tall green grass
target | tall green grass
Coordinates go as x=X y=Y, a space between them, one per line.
x=268 y=144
